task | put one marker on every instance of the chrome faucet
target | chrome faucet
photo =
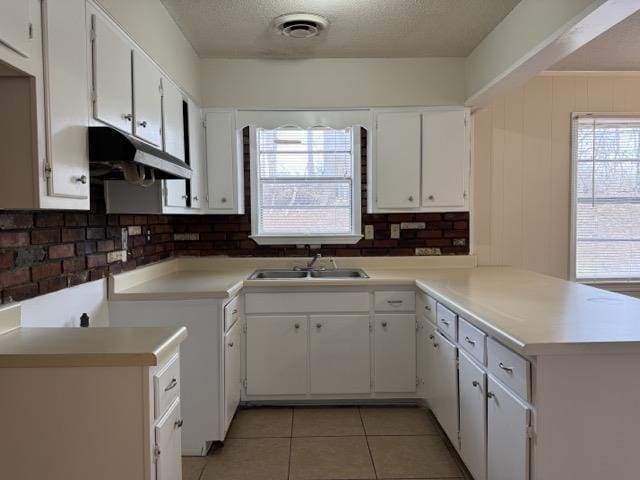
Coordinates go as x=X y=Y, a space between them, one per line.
x=310 y=265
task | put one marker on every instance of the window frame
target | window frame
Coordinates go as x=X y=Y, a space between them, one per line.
x=616 y=284
x=356 y=211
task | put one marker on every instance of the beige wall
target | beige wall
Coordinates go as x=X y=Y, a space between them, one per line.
x=522 y=163
x=151 y=26
x=336 y=82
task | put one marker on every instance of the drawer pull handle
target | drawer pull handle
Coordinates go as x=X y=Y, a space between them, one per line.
x=469 y=341
x=505 y=368
x=384 y=324
x=490 y=394
x=235 y=310
x=475 y=383
x=427 y=307
x=172 y=384
x=179 y=423
x=446 y=322
x=394 y=302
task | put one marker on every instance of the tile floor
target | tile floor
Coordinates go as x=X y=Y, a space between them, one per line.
x=335 y=443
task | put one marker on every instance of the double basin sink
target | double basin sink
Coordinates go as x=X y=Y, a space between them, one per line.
x=273 y=274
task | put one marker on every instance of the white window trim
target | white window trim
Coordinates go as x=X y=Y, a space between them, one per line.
x=311 y=239
x=615 y=284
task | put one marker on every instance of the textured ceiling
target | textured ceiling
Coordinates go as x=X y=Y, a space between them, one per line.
x=358 y=28
x=616 y=49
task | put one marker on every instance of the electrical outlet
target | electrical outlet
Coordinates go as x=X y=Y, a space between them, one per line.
x=395 y=231
x=368 y=232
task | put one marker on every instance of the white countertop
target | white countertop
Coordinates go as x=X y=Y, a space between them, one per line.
x=533 y=314
x=88 y=347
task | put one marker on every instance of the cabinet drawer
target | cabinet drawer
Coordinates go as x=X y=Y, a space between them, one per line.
x=472 y=339
x=316 y=302
x=447 y=322
x=509 y=367
x=231 y=313
x=427 y=307
x=166 y=385
x=395 y=301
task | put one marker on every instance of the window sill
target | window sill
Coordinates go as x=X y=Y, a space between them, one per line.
x=314 y=240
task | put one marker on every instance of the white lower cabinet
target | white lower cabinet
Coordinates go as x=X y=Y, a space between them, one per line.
x=444 y=399
x=473 y=416
x=429 y=358
x=339 y=356
x=508 y=435
x=276 y=354
x=232 y=372
x=168 y=445
x=395 y=353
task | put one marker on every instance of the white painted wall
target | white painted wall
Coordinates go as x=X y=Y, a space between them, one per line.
x=522 y=167
x=151 y=26
x=64 y=307
x=338 y=82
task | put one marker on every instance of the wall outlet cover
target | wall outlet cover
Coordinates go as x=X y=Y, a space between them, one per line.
x=395 y=231
x=368 y=232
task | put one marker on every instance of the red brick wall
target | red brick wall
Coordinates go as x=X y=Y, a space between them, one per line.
x=443 y=233
x=45 y=251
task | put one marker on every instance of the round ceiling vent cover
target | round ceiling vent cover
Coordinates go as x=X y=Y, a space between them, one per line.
x=300 y=25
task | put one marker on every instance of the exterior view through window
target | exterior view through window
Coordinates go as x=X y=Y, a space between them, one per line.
x=607 y=198
x=305 y=182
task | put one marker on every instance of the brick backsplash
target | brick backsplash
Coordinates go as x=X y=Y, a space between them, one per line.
x=45 y=251
x=438 y=233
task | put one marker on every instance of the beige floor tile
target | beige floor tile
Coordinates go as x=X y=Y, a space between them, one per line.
x=327 y=422
x=192 y=467
x=330 y=458
x=412 y=457
x=249 y=459
x=397 y=421
x=261 y=422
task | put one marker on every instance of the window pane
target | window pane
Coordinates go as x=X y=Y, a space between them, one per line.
x=305 y=182
x=608 y=199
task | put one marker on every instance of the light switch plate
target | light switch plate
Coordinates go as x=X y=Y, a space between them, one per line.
x=368 y=232
x=395 y=231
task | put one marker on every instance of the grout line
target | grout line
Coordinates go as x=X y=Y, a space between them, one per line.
x=293 y=412
x=366 y=439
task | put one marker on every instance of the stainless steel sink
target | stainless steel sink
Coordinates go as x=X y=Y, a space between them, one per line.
x=346 y=273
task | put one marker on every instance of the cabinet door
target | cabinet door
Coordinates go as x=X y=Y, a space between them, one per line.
x=14 y=26
x=276 y=355
x=445 y=158
x=397 y=160
x=168 y=443
x=175 y=193
x=339 y=356
x=473 y=417
x=196 y=156
x=113 y=103
x=430 y=359
x=147 y=100
x=221 y=160
x=444 y=401
x=507 y=439
x=67 y=99
x=232 y=372
x=173 y=119
x=395 y=353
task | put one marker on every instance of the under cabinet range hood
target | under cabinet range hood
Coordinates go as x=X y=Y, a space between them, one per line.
x=114 y=155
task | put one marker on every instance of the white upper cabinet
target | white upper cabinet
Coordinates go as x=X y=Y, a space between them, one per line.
x=173 y=119
x=223 y=163
x=420 y=160
x=15 y=26
x=197 y=160
x=147 y=100
x=113 y=102
x=67 y=98
x=445 y=159
x=397 y=160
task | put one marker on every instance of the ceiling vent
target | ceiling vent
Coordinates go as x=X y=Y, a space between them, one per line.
x=300 y=25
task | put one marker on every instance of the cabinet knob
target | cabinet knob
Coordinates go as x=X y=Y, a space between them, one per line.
x=143 y=124
x=127 y=116
x=431 y=197
x=318 y=325
x=184 y=197
x=490 y=394
x=411 y=198
x=231 y=344
x=296 y=326
x=195 y=197
x=427 y=307
x=384 y=324
x=475 y=383
x=431 y=337
x=223 y=199
x=179 y=423
x=82 y=179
